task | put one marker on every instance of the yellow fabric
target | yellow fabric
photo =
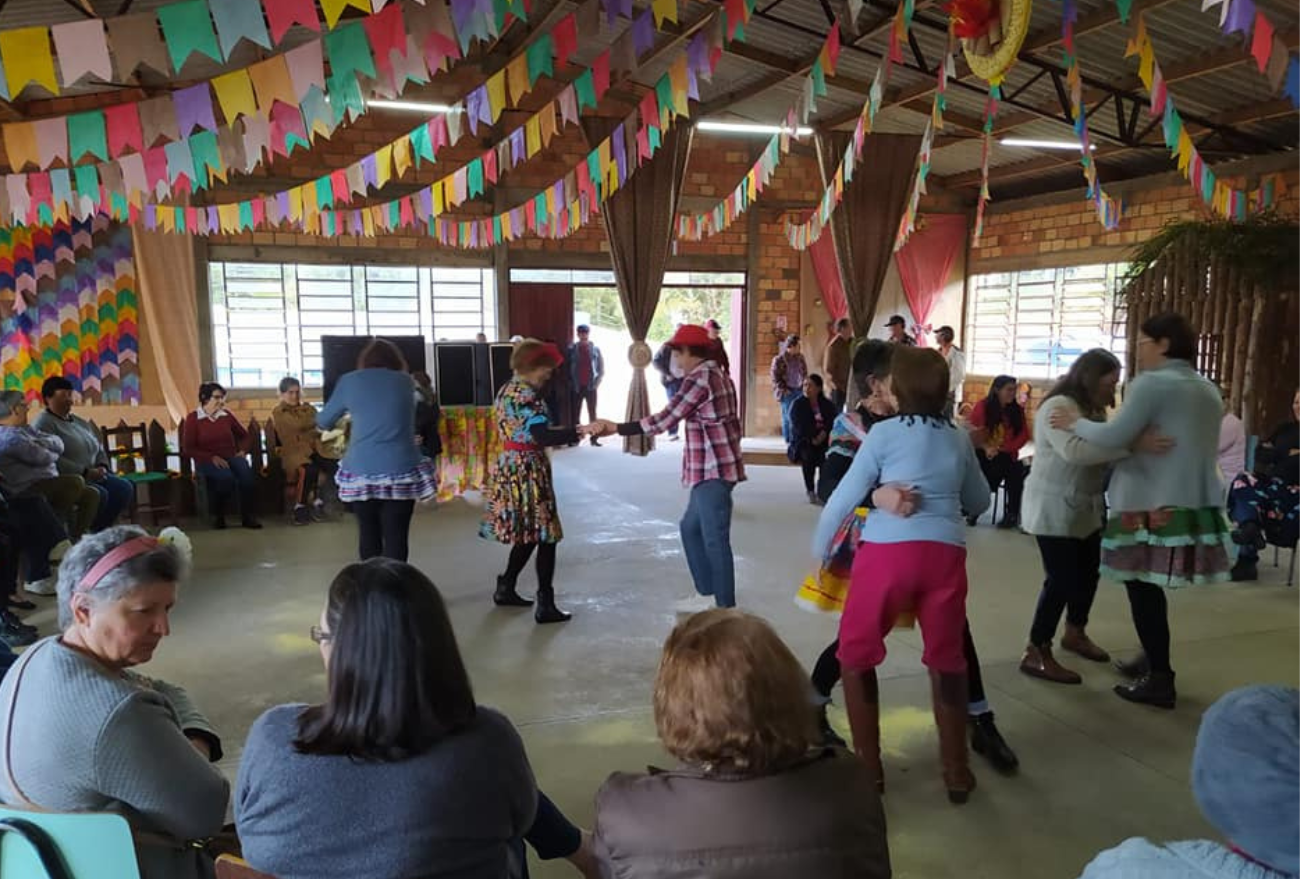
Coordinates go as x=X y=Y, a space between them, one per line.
x=167 y=275
x=470 y=443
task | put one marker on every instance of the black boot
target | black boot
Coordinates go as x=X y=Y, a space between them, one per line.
x=1249 y=534
x=546 y=611
x=1133 y=668
x=218 y=511
x=1153 y=688
x=986 y=741
x=506 y=596
x=829 y=736
x=1245 y=571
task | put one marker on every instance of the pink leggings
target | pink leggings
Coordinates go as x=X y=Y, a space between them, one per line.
x=922 y=576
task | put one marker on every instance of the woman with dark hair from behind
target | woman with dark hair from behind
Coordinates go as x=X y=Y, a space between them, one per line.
x=383 y=472
x=1000 y=431
x=399 y=772
x=811 y=418
x=1065 y=507
x=1167 y=528
x=217 y=444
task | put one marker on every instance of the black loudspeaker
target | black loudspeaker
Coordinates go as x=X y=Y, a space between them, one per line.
x=499 y=363
x=470 y=373
x=339 y=355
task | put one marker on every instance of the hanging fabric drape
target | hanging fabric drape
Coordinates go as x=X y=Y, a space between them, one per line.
x=865 y=225
x=925 y=261
x=166 y=271
x=827 y=270
x=640 y=219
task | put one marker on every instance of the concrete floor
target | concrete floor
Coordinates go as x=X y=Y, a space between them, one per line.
x=1095 y=770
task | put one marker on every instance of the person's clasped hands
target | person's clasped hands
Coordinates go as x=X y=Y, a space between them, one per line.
x=599 y=428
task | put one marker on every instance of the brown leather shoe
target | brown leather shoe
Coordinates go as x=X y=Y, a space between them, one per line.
x=1076 y=640
x=1038 y=662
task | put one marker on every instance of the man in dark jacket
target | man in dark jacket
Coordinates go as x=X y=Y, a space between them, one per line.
x=586 y=369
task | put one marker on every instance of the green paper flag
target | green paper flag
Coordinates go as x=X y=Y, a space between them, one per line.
x=206 y=155
x=539 y=210
x=421 y=146
x=348 y=50
x=324 y=193
x=87 y=134
x=475 y=173
x=1124 y=7
x=818 y=78
x=496 y=228
x=394 y=214
x=187 y=28
x=292 y=140
x=593 y=171
x=654 y=140
x=541 y=56
x=345 y=97
x=245 y=215
x=664 y=94
x=87 y=181
x=585 y=89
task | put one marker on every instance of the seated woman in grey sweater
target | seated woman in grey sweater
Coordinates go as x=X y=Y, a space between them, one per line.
x=398 y=774
x=80 y=732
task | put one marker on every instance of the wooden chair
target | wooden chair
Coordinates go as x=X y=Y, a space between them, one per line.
x=231 y=867
x=64 y=845
x=140 y=459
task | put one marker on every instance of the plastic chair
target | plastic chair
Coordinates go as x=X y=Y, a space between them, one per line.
x=231 y=867
x=66 y=845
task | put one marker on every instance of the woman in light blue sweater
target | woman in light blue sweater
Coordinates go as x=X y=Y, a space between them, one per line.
x=912 y=557
x=383 y=472
x=1167 y=528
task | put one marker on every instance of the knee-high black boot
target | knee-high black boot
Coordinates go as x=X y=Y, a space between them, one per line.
x=506 y=595
x=546 y=611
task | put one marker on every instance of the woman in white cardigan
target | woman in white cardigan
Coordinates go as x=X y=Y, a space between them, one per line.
x=1064 y=508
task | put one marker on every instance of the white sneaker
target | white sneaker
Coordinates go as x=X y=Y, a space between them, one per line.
x=60 y=550
x=46 y=586
x=694 y=604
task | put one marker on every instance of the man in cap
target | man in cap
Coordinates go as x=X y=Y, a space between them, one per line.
x=898 y=331
x=711 y=464
x=586 y=369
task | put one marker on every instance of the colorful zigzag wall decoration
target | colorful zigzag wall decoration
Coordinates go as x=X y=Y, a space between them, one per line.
x=68 y=307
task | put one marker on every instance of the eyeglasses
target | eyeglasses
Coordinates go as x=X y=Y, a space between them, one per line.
x=320 y=636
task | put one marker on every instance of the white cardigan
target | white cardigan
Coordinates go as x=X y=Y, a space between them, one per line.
x=1064 y=494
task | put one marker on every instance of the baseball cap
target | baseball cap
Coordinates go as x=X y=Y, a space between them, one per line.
x=693 y=335
x=583 y=328
x=712 y=324
x=896 y=320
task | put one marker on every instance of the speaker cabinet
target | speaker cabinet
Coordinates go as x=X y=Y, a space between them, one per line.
x=455 y=367
x=339 y=355
x=499 y=363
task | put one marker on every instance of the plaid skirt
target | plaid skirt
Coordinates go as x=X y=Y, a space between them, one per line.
x=1172 y=547
x=417 y=484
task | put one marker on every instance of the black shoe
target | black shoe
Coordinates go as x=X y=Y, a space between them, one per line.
x=829 y=736
x=219 y=523
x=8 y=620
x=1133 y=668
x=594 y=441
x=506 y=596
x=972 y=521
x=1244 y=571
x=1249 y=534
x=13 y=637
x=1009 y=522
x=1153 y=688
x=301 y=515
x=546 y=611
x=21 y=604
x=986 y=741
x=251 y=524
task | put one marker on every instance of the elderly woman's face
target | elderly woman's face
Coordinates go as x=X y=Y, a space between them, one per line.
x=293 y=396
x=215 y=403
x=60 y=402
x=125 y=632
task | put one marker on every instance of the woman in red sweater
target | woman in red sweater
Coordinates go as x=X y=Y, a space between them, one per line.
x=216 y=442
x=1000 y=430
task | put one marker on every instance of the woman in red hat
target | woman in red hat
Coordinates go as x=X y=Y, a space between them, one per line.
x=521 y=508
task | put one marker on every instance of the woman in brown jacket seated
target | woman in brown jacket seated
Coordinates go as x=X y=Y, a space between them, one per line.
x=302 y=454
x=753 y=798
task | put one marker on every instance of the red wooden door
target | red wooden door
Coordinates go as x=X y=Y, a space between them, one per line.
x=545 y=311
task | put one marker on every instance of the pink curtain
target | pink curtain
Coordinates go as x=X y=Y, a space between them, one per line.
x=827 y=271
x=924 y=263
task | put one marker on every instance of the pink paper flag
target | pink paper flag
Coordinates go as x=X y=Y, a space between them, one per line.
x=82 y=48
x=306 y=67
x=284 y=14
x=51 y=140
x=155 y=170
x=1261 y=45
x=123 y=124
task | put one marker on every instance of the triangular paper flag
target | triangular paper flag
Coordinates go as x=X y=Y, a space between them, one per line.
x=135 y=41
x=239 y=20
x=333 y=9
x=348 y=51
x=20 y=145
x=51 y=140
x=86 y=134
x=271 y=83
x=284 y=14
x=27 y=59
x=194 y=109
x=124 y=131
x=82 y=49
x=158 y=119
x=187 y=28
x=1261 y=44
x=235 y=95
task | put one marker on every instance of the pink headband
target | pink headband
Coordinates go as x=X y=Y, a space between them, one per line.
x=117 y=556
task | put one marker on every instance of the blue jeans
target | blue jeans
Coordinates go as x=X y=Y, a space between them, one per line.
x=706 y=536
x=115 y=494
x=223 y=482
x=37 y=530
x=787 y=401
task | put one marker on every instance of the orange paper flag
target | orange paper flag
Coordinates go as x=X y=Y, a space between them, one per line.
x=272 y=83
x=20 y=145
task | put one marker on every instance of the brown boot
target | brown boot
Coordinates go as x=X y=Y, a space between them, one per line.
x=949 y=693
x=1076 y=640
x=1038 y=662
x=862 y=702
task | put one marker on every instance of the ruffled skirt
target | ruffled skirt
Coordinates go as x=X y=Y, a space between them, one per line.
x=420 y=483
x=1173 y=547
x=521 y=504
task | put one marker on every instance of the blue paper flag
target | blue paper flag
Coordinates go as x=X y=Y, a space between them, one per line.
x=1292 y=89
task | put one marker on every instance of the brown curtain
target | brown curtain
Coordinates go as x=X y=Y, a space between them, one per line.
x=865 y=225
x=640 y=219
x=167 y=274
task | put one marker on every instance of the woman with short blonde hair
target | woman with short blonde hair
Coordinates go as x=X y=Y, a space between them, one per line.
x=753 y=797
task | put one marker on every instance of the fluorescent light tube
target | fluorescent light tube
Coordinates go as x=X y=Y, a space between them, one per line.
x=1043 y=144
x=750 y=128
x=413 y=106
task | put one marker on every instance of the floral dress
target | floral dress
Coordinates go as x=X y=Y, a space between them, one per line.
x=520 y=494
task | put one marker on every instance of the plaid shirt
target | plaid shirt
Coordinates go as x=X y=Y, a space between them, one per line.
x=706 y=401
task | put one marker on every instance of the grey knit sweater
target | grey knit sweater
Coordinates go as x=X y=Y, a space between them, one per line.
x=82 y=446
x=89 y=738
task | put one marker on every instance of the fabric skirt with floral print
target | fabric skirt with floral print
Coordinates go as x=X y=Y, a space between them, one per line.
x=417 y=484
x=521 y=500
x=827 y=589
x=1171 y=547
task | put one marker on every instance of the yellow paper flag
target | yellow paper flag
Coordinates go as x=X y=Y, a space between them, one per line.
x=367 y=224
x=533 y=136
x=1184 y=150
x=664 y=10
x=507 y=227
x=496 y=91
x=235 y=95
x=333 y=9
x=383 y=165
x=1147 y=59
x=402 y=155
x=27 y=58
x=295 y=203
x=20 y=145
x=227 y=216
x=438 y=204
x=517 y=77
x=546 y=122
